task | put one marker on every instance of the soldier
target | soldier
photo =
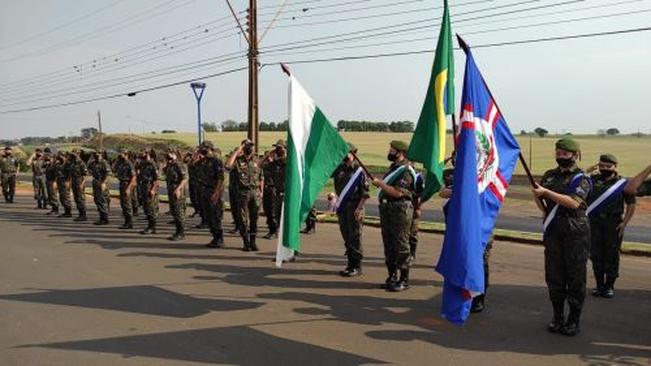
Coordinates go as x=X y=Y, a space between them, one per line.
x=232 y=200
x=62 y=173
x=50 y=181
x=396 y=215
x=148 y=186
x=78 y=173
x=197 y=162
x=606 y=207
x=188 y=160
x=211 y=178
x=413 y=233
x=274 y=165
x=37 y=164
x=564 y=191
x=310 y=222
x=125 y=172
x=352 y=189
x=135 y=195
x=8 y=174
x=176 y=175
x=638 y=185
x=249 y=185
x=100 y=169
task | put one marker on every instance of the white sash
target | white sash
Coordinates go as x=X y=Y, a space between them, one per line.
x=348 y=188
x=610 y=193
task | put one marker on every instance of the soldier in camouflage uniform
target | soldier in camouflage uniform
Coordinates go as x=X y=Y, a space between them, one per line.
x=232 y=200
x=607 y=225
x=310 y=221
x=350 y=213
x=125 y=172
x=193 y=184
x=274 y=165
x=8 y=174
x=62 y=169
x=413 y=234
x=249 y=185
x=100 y=170
x=78 y=173
x=564 y=191
x=50 y=181
x=211 y=178
x=176 y=175
x=37 y=164
x=396 y=215
x=638 y=185
x=147 y=178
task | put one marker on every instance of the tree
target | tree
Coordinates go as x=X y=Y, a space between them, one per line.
x=88 y=133
x=229 y=125
x=523 y=133
x=541 y=132
x=210 y=127
x=612 y=131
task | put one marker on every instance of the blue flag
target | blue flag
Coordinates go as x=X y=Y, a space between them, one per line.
x=486 y=154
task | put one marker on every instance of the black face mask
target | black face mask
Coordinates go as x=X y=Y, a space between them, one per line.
x=248 y=150
x=606 y=173
x=392 y=157
x=203 y=152
x=565 y=163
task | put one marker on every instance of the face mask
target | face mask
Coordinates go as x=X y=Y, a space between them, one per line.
x=606 y=173
x=392 y=157
x=248 y=150
x=565 y=163
x=203 y=152
x=39 y=155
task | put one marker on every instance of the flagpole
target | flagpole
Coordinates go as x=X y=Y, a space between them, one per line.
x=532 y=181
x=362 y=165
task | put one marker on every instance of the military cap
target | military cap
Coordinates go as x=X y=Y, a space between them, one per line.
x=568 y=144
x=351 y=147
x=281 y=143
x=399 y=145
x=208 y=144
x=247 y=142
x=608 y=158
x=47 y=150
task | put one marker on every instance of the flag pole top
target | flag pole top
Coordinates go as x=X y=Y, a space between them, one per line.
x=285 y=69
x=462 y=43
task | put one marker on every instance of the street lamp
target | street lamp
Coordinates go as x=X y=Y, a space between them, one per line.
x=198 y=89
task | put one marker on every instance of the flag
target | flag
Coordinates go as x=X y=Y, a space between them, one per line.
x=314 y=150
x=486 y=156
x=428 y=142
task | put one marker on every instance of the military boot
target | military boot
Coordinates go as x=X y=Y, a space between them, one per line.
x=246 y=244
x=557 y=324
x=391 y=279
x=128 y=224
x=103 y=220
x=403 y=283
x=150 y=229
x=609 y=288
x=599 y=279
x=252 y=244
x=53 y=211
x=572 y=326
x=82 y=216
x=478 y=303
x=217 y=242
x=66 y=213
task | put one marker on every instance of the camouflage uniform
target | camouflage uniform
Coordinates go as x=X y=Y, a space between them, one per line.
x=194 y=186
x=125 y=172
x=248 y=178
x=274 y=192
x=50 y=183
x=413 y=234
x=38 y=182
x=8 y=171
x=232 y=199
x=349 y=226
x=396 y=216
x=567 y=243
x=100 y=170
x=78 y=173
x=211 y=173
x=175 y=173
x=604 y=237
x=147 y=180
x=63 y=186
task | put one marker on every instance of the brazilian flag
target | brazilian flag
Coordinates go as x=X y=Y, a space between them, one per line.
x=428 y=142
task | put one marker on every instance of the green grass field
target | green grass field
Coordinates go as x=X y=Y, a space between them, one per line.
x=634 y=153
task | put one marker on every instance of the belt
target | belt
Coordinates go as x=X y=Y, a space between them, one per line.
x=575 y=214
x=387 y=200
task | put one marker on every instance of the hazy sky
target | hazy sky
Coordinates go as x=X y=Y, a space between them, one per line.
x=63 y=51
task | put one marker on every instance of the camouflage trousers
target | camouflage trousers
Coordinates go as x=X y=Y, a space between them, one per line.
x=396 y=219
x=248 y=210
x=213 y=212
x=79 y=195
x=351 y=231
x=604 y=248
x=102 y=199
x=8 y=186
x=52 y=195
x=272 y=202
x=64 y=195
x=126 y=201
x=40 y=195
x=177 y=210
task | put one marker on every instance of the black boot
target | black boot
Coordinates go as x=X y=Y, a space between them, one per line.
x=82 y=216
x=271 y=234
x=478 y=303
x=392 y=278
x=66 y=213
x=128 y=224
x=252 y=244
x=151 y=228
x=557 y=325
x=217 y=242
x=246 y=244
x=599 y=279
x=53 y=211
x=403 y=282
x=353 y=269
x=609 y=288
x=572 y=326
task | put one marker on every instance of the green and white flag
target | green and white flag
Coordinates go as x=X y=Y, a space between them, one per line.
x=314 y=150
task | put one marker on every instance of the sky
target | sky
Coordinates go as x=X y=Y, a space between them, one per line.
x=58 y=52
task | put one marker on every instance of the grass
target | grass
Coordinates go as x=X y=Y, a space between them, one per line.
x=631 y=151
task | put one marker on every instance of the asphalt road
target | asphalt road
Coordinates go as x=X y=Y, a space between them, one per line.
x=77 y=294
x=526 y=223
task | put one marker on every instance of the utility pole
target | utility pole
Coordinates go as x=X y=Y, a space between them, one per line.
x=101 y=134
x=253 y=73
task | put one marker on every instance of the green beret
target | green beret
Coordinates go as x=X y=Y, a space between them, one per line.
x=568 y=144
x=399 y=145
x=608 y=158
x=351 y=147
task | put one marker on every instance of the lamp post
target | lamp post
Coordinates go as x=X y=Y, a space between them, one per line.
x=198 y=89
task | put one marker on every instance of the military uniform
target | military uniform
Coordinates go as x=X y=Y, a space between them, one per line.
x=232 y=199
x=274 y=192
x=8 y=172
x=62 y=169
x=193 y=186
x=567 y=243
x=100 y=170
x=125 y=172
x=78 y=173
x=396 y=217
x=310 y=221
x=175 y=173
x=349 y=226
x=413 y=234
x=147 y=181
x=38 y=182
x=605 y=239
x=248 y=179
x=50 y=184
x=211 y=173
